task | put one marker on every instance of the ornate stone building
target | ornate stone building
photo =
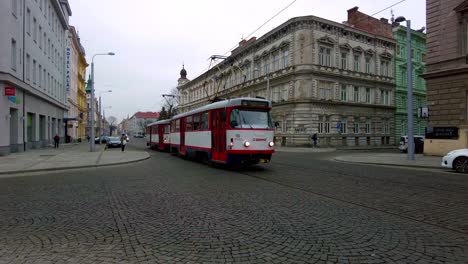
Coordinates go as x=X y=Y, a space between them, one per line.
x=323 y=77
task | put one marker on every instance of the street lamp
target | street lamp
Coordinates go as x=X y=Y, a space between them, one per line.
x=268 y=81
x=100 y=114
x=410 y=87
x=92 y=146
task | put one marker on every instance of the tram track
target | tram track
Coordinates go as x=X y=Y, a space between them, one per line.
x=357 y=204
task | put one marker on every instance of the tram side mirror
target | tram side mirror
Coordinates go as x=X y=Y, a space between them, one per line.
x=234 y=123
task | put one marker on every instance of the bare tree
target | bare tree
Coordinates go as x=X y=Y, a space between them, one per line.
x=112 y=120
x=171 y=101
x=142 y=123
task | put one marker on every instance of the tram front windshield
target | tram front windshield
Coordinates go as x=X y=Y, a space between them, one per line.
x=251 y=118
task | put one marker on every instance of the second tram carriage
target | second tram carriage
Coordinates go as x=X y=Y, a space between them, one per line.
x=234 y=131
x=159 y=135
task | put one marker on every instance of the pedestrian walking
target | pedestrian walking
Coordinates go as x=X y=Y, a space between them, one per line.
x=56 y=141
x=314 y=139
x=88 y=137
x=123 y=142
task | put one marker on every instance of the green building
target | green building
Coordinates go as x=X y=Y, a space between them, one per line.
x=418 y=45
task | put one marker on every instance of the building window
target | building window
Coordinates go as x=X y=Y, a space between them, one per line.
x=356 y=125
x=368 y=95
x=368 y=126
x=285 y=57
x=385 y=126
x=423 y=57
x=35 y=30
x=384 y=97
x=266 y=65
x=325 y=90
x=13 y=54
x=28 y=21
x=344 y=94
x=275 y=61
x=343 y=125
x=34 y=71
x=247 y=71
x=344 y=60
x=14 y=7
x=385 y=68
x=40 y=37
x=325 y=56
x=356 y=94
x=40 y=76
x=404 y=77
x=321 y=124
x=368 y=65
x=27 y=66
x=398 y=50
x=357 y=66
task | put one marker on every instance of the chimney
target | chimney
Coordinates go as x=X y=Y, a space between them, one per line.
x=384 y=20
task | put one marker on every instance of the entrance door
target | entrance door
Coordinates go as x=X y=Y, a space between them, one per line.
x=161 y=136
x=182 y=136
x=218 y=138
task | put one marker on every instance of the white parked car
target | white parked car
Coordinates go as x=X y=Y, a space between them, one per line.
x=457 y=160
x=404 y=143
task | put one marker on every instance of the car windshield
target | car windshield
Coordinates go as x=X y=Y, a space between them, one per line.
x=250 y=118
x=114 y=139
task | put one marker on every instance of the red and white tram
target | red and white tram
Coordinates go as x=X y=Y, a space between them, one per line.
x=234 y=131
x=159 y=134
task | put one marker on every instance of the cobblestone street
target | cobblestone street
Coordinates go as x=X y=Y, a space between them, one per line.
x=298 y=209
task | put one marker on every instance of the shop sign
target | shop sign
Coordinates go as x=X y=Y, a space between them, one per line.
x=67 y=69
x=442 y=133
x=10 y=91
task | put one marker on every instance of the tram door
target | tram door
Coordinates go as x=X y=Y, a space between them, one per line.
x=182 y=136
x=218 y=138
x=161 y=136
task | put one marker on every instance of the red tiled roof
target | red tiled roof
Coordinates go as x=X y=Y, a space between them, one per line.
x=146 y=115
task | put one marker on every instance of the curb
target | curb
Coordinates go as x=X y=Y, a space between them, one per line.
x=387 y=164
x=75 y=167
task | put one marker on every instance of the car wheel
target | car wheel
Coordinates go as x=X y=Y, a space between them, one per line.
x=460 y=164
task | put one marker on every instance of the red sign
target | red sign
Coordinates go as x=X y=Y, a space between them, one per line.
x=10 y=91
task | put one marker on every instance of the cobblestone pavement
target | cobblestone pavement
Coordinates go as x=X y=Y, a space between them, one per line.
x=295 y=210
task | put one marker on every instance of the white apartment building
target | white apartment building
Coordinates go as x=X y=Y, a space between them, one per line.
x=71 y=83
x=32 y=72
x=333 y=79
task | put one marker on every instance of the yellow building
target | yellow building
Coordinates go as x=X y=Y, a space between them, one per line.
x=82 y=64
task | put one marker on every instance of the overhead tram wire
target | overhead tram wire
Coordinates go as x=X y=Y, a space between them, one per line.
x=271 y=18
x=311 y=43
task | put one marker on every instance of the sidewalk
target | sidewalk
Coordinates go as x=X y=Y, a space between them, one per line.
x=393 y=159
x=303 y=149
x=68 y=156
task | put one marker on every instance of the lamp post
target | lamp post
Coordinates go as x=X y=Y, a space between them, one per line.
x=92 y=146
x=410 y=148
x=100 y=113
x=268 y=81
x=103 y=117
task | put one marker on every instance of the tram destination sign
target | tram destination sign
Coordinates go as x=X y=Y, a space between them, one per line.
x=442 y=133
x=254 y=103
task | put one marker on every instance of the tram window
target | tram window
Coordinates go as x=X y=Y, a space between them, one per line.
x=177 y=126
x=172 y=126
x=188 y=124
x=204 y=121
x=196 y=122
x=166 y=129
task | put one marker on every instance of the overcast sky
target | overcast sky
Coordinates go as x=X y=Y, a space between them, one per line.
x=152 y=38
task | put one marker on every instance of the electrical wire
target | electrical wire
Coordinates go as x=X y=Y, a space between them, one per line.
x=293 y=52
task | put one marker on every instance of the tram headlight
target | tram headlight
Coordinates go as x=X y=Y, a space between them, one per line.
x=271 y=144
x=247 y=144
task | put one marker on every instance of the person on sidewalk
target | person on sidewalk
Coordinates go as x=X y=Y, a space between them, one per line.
x=56 y=141
x=314 y=139
x=123 y=142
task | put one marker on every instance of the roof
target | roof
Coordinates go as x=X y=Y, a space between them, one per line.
x=146 y=115
x=221 y=104
x=165 y=121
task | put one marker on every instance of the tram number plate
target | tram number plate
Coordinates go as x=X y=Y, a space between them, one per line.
x=264 y=161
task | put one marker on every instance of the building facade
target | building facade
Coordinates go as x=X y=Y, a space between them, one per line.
x=323 y=77
x=418 y=45
x=71 y=75
x=32 y=77
x=137 y=123
x=447 y=76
